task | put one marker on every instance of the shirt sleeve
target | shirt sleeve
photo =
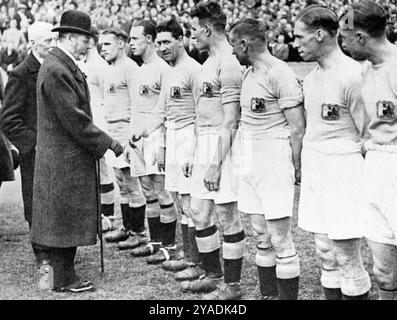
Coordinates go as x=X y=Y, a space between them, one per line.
x=287 y=88
x=356 y=105
x=230 y=76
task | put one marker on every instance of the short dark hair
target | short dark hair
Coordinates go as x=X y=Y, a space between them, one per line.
x=117 y=32
x=320 y=17
x=254 y=29
x=210 y=11
x=368 y=16
x=171 y=26
x=149 y=27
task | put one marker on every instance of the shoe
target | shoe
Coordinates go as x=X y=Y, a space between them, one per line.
x=177 y=264
x=134 y=241
x=149 y=249
x=226 y=291
x=191 y=273
x=118 y=235
x=203 y=284
x=107 y=223
x=77 y=287
x=46 y=274
x=163 y=254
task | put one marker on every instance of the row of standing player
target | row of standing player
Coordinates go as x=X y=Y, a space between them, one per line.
x=200 y=108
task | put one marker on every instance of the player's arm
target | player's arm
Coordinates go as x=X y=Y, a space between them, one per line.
x=355 y=103
x=290 y=95
x=230 y=78
x=187 y=166
x=297 y=123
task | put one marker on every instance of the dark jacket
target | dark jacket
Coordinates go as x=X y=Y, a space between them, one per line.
x=65 y=199
x=6 y=167
x=19 y=121
x=6 y=59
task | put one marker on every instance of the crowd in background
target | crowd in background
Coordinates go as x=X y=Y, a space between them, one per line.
x=278 y=15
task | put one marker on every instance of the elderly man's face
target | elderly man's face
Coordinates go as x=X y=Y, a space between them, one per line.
x=45 y=44
x=80 y=45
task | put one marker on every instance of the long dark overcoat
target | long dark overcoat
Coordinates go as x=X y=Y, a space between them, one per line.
x=19 y=121
x=6 y=166
x=68 y=144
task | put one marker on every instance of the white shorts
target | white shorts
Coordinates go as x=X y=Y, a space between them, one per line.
x=266 y=177
x=106 y=172
x=141 y=163
x=111 y=160
x=207 y=142
x=180 y=147
x=330 y=194
x=380 y=197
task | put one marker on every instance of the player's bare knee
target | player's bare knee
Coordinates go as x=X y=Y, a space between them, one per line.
x=385 y=277
x=325 y=252
x=282 y=243
x=164 y=197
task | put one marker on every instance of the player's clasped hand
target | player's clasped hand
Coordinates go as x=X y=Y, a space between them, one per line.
x=212 y=178
x=159 y=158
x=187 y=169
x=117 y=148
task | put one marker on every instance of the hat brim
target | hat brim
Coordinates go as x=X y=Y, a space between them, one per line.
x=73 y=30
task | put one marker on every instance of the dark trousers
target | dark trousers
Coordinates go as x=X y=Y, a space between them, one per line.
x=62 y=262
x=27 y=173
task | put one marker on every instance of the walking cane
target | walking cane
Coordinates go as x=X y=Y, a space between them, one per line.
x=98 y=208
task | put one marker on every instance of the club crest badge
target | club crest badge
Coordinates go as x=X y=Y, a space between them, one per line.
x=175 y=92
x=258 y=105
x=112 y=88
x=144 y=90
x=330 y=112
x=208 y=89
x=385 y=110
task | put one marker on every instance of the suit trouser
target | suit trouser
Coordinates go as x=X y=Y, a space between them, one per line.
x=62 y=262
x=27 y=173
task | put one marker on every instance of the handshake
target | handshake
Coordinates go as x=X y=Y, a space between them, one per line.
x=117 y=148
x=137 y=136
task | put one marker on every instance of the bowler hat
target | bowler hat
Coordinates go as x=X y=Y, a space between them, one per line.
x=76 y=22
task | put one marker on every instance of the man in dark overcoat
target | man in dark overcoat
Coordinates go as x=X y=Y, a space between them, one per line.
x=6 y=166
x=65 y=199
x=18 y=117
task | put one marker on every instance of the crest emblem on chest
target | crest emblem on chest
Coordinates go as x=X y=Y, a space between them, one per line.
x=330 y=112
x=208 y=89
x=144 y=90
x=258 y=105
x=112 y=88
x=385 y=110
x=175 y=92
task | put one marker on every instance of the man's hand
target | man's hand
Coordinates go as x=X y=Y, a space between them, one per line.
x=117 y=148
x=159 y=158
x=298 y=174
x=187 y=167
x=136 y=135
x=212 y=178
x=127 y=154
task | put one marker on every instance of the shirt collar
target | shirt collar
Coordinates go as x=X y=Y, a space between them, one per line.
x=60 y=46
x=37 y=57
